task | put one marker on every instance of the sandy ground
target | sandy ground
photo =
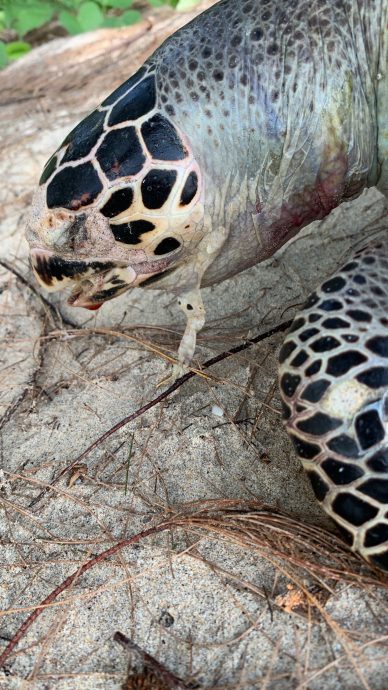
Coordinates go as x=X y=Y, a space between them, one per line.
x=208 y=609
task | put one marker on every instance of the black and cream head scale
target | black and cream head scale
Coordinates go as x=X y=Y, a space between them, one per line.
x=255 y=119
x=120 y=201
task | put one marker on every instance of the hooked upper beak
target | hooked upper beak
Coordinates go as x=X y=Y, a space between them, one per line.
x=54 y=273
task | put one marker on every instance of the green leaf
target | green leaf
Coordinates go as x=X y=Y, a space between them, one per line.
x=32 y=17
x=158 y=3
x=112 y=22
x=183 y=5
x=130 y=17
x=70 y=22
x=16 y=49
x=90 y=16
x=119 y=4
x=3 y=55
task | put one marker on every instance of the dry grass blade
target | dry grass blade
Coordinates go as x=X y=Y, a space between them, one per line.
x=282 y=540
x=280 y=328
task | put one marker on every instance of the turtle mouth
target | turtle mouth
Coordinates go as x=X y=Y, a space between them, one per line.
x=54 y=273
x=80 y=298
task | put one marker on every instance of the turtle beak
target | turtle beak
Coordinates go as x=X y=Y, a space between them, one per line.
x=49 y=270
x=55 y=273
x=81 y=297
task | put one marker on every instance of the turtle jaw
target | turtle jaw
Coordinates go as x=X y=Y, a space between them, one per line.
x=55 y=273
x=94 y=281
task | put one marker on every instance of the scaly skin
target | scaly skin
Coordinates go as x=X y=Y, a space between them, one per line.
x=255 y=119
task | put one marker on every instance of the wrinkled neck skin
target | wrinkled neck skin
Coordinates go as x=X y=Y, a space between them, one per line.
x=382 y=99
x=283 y=107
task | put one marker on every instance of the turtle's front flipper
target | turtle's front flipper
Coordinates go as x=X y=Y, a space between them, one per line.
x=192 y=305
x=190 y=300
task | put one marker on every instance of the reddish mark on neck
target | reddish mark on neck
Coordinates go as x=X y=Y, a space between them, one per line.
x=93 y=307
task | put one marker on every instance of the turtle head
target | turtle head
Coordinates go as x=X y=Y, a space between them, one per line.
x=119 y=202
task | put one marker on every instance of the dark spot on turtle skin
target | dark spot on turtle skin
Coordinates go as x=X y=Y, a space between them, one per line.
x=49 y=168
x=376 y=377
x=330 y=305
x=157 y=276
x=346 y=536
x=378 y=345
x=338 y=365
x=375 y=488
x=319 y=487
x=369 y=429
x=286 y=350
x=130 y=233
x=368 y=260
x=325 y=344
x=314 y=317
x=360 y=280
x=313 y=368
x=377 y=291
x=107 y=294
x=380 y=559
x=340 y=472
x=379 y=461
x=257 y=34
x=359 y=315
x=289 y=383
x=335 y=322
x=376 y=535
x=305 y=335
x=138 y=102
x=304 y=449
x=351 y=266
x=190 y=189
x=117 y=281
x=297 y=323
x=319 y=424
x=120 y=153
x=119 y=201
x=156 y=187
x=286 y=410
x=333 y=285
x=300 y=359
x=352 y=292
x=74 y=187
x=124 y=88
x=82 y=138
x=314 y=391
x=348 y=338
x=218 y=75
x=170 y=110
x=353 y=509
x=169 y=244
x=312 y=300
x=344 y=445
x=162 y=140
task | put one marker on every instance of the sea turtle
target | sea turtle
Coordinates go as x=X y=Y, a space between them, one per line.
x=253 y=120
